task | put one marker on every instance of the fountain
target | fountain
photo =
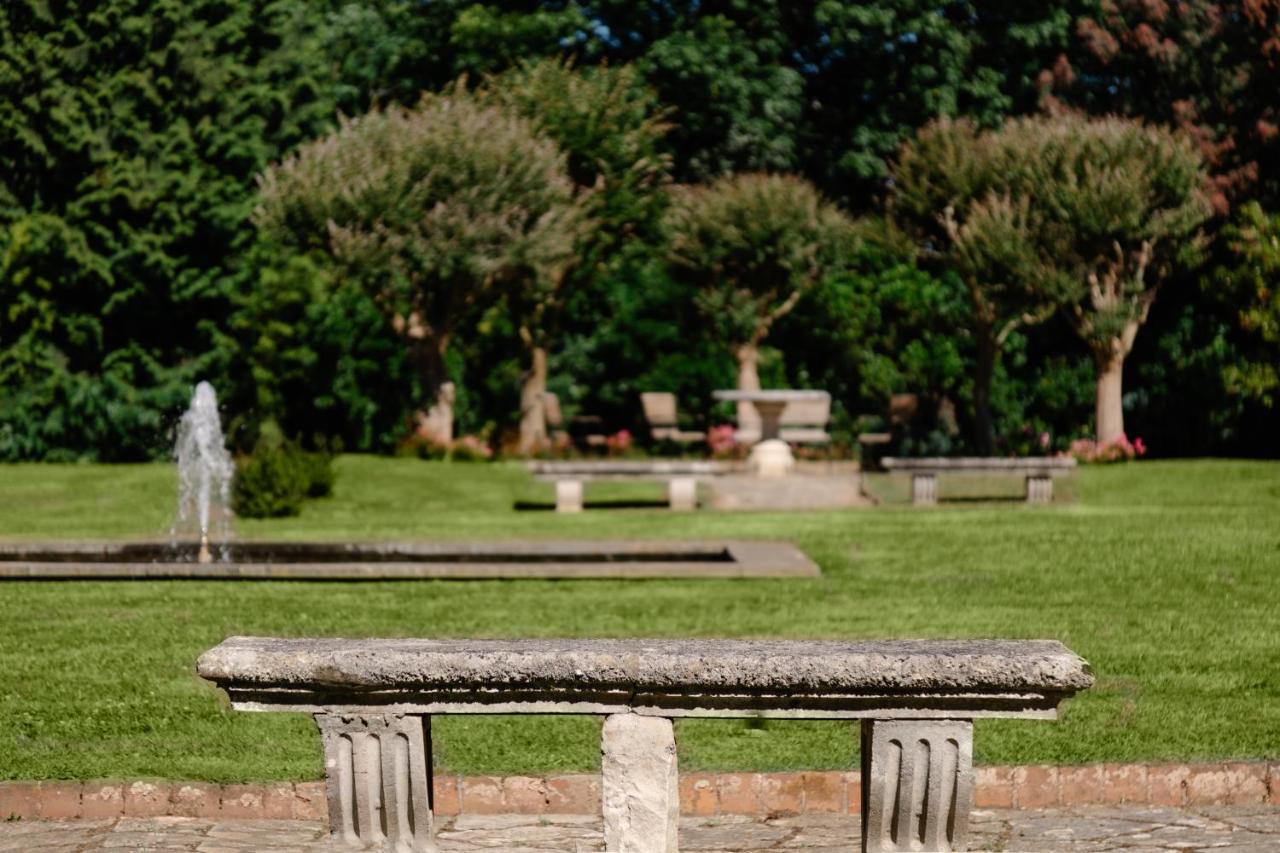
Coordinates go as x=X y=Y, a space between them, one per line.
x=204 y=492
x=204 y=471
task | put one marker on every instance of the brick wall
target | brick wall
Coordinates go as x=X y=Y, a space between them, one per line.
x=703 y=794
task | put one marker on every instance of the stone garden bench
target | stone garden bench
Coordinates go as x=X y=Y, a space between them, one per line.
x=373 y=701
x=1039 y=473
x=681 y=475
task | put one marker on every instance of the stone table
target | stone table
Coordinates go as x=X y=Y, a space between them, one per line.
x=771 y=456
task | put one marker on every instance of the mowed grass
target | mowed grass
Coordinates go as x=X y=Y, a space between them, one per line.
x=1164 y=575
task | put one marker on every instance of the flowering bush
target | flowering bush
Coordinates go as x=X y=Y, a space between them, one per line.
x=1121 y=449
x=721 y=441
x=618 y=443
x=468 y=448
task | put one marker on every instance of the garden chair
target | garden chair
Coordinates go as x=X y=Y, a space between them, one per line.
x=660 y=412
x=805 y=422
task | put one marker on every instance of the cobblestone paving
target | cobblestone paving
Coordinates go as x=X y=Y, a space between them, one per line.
x=1241 y=829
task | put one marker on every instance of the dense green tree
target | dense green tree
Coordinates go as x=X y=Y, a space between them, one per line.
x=1250 y=281
x=953 y=191
x=1204 y=66
x=879 y=326
x=433 y=210
x=876 y=71
x=737 y=100
x=1122 y=206
x=612 y=128
x=130 y=131
x=748 y=247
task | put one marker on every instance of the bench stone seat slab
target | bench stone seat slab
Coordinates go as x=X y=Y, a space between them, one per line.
x=924 y=471
x=671 y=677
x=373 y=699
x=943 y=464
x=682 y=478
x=628 y=470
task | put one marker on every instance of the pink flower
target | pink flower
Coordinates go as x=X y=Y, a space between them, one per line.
x=1044 y=440
x=720 y=439
x=619 y=442
x=1139 y=446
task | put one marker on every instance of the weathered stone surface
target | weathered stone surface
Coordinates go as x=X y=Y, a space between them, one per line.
x=682 y=494
x=1233 y=829
x=772 y=458
x=924 y=489
x=622 y=469
x=1039 y=489
x=799 y=491
x=697 y=666
x=917 y=784
x=979 y=463
x=378 y=772
x=640 y=798
x=568 y=496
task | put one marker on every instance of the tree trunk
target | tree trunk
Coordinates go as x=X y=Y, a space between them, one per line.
x=1109 y=355
x=1110 y=396
x=533 y=416
x=983 y=424
x=435 y=422
x=748 y=358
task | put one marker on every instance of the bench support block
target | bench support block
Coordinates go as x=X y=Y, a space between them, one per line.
x=917 y=785
x=682 y=494
x=378 y=781
x=924 y=489
x=640 y=795
x=568 y=496
x=1039 y=489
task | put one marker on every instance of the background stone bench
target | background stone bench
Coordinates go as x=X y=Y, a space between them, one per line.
x=373 y=700
x=681 y=475
x=1039 y=472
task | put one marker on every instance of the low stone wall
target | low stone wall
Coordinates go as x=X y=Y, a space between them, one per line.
x=701 y=794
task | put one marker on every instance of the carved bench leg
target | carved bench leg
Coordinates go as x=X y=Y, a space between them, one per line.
x=682 y=493
x=924 y=489
x=640 y=795
x=568 y=496
x=378 y=781
x=917 y=785
x=1039 y=489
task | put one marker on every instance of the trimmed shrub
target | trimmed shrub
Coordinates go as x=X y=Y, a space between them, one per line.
x=269 y=484
x=318 y=468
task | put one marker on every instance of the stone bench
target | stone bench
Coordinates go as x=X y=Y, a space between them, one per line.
x=1039 y=473
x=681 y=475
x=916 y=699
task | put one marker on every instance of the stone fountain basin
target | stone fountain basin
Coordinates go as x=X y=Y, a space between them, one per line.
x=406 y=560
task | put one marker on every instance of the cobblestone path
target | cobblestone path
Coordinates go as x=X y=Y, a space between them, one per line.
x=1241 y=829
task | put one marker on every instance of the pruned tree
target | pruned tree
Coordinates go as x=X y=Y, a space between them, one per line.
x=955 y=191
x=433 y=210
x=1122 y=205
x=750 y=246
x=1051 y=212
x=611 y=127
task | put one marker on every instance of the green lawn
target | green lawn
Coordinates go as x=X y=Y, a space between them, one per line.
x=1165 y=575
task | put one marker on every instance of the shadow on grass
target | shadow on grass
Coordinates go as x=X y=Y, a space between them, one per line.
x=544 y=506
